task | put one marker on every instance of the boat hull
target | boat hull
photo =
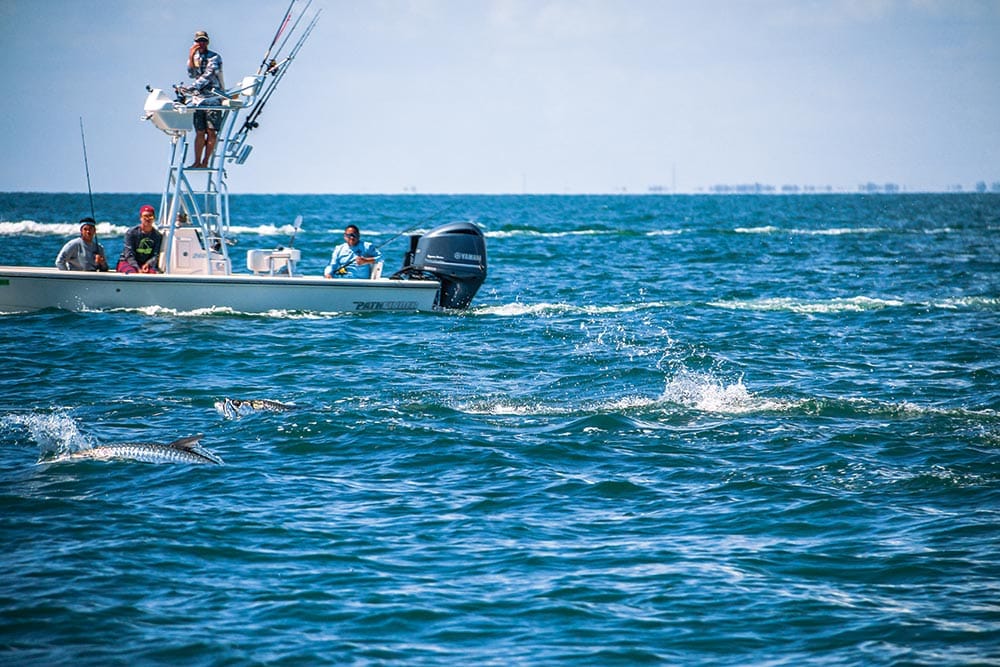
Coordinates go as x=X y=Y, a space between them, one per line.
x=27 y=289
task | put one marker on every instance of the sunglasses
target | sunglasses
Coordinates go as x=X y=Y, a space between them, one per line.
x=351 y=236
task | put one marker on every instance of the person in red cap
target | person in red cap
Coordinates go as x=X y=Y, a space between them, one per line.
x=142 y=245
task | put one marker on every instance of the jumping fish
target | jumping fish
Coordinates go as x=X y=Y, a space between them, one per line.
x=233 y=408
x=183 y=450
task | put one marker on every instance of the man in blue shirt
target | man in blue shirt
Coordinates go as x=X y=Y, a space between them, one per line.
x=354 y=258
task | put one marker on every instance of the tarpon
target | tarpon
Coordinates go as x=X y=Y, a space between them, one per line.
x=183 y=450
x=233 y=408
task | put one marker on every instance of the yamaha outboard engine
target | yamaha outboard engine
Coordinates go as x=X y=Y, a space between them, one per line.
x=453 y=254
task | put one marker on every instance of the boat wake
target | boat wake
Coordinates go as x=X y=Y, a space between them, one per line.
x=225 y=311
x=518 y=309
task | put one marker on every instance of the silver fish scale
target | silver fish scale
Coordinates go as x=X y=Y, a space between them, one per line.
x=145 y=453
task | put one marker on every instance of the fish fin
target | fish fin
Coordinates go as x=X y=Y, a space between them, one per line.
x=188 y=443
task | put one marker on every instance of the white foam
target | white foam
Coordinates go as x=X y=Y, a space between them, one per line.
x=956 y=303
x=707 y=393
x=839 y=231
x=548 y=235
x=276 y=313
x=55 y=432
x=838 y=305
x=544 y=309
x=835 y=231
x=68 y=229
x=263 y=230
x=768 y=229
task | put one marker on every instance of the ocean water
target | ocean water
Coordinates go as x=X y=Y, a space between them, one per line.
x=757 y=430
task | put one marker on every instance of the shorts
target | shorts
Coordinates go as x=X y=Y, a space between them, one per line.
x=207 y=120
x=125 y=267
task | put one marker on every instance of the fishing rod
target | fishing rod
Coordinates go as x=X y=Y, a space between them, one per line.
x=267 y=54
x=86 y=166
x=420 y=222
x=294 y=28
x=278 y=70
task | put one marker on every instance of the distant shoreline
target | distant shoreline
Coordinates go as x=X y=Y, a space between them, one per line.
x=695 y=193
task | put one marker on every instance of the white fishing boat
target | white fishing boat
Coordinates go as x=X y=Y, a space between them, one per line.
x=443 y=268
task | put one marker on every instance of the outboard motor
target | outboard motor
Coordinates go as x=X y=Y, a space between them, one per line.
x=453 y=254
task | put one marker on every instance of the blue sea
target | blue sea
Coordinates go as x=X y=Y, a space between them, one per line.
x=678 y=430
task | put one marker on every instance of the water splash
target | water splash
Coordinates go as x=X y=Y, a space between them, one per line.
x=54 y=433
x=707 y=393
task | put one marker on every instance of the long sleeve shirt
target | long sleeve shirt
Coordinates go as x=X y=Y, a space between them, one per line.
x=343 y=265
x=141 y=249
x=78 y=255
x=207 y=73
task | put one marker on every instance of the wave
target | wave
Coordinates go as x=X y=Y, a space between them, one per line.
x=506 y=234
x=706 y=393
x=837 y=305
x=105 y=229
x=547 y=309
x=70 y=229
x=519 y=309
x=975 y=302
x=853 y=304
x=699 y=391
x=264 y=230
x=515 y=233
x=836 y=231
x=860 y=406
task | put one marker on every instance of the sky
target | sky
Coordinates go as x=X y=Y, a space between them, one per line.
x=522 y=96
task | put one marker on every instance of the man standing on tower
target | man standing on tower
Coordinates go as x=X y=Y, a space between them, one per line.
x=205 y=67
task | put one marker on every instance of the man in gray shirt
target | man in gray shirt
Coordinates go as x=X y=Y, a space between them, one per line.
x=83 y=253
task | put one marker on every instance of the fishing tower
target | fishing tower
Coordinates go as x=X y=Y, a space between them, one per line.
x=194 y=204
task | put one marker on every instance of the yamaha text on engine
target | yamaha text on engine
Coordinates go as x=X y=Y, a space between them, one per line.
x=453 y=254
